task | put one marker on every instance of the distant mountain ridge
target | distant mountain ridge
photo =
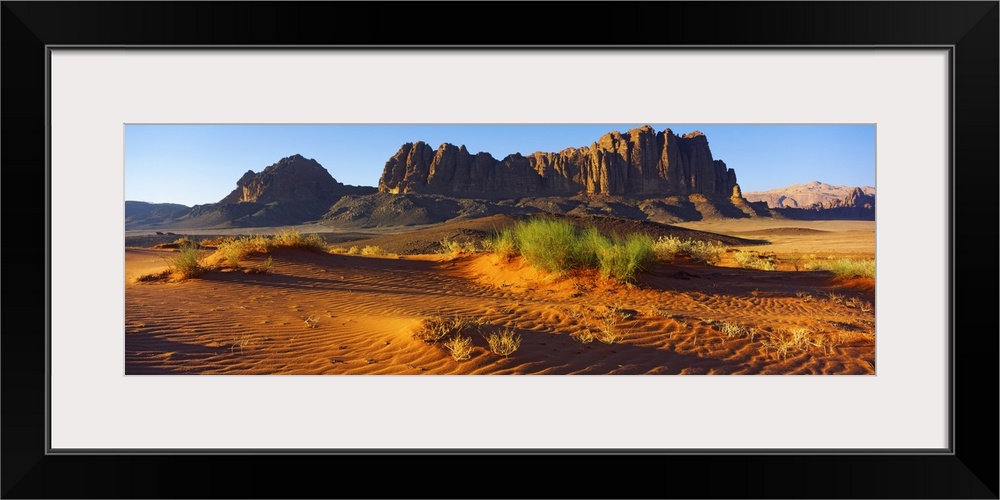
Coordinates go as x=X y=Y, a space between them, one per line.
x=810 y=195
x=420 y=186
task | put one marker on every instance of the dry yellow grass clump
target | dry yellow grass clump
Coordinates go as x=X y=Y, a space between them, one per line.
x=504 y=343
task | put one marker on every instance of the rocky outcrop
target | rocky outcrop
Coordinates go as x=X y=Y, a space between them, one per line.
x=294 y=178
x=810 y=195
x=857 y=198
x=292 y=191
x=639 y=163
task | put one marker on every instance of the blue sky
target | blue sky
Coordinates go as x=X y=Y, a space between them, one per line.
x=197 y=164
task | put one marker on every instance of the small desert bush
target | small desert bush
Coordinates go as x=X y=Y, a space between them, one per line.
x=503 y=244
x=453 y=247
x=704 y=251
x=751 y=260
x=589 y=244
x=853 y=268
x=437 y=328
x=609 y=331
x=622 y=261
x=232 y=254
x=233 y=250
x=373 y=250
x=292 y=238
x=845 y=268
x=667 y=247
x=504 y=343
x=733 y=330
x=584 y=336
x=353 y=251
x=548 y=244
x=460 y=347
x=187 y=261
x=185 y=241
x=780 y=342
x=783 y=341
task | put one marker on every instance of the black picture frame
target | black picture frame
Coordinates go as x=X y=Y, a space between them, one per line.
x=969 y=470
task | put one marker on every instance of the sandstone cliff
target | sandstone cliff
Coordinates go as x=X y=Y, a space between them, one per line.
x=639 y=163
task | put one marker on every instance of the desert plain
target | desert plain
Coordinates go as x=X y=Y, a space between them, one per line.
x=345 y=311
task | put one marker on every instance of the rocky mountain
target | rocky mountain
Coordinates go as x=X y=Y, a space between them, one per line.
x=640 y=174
x=812 y=195
x=816 y=200
x=292 y=191
x=143 y=213
x=640 y=163
x=294 y=178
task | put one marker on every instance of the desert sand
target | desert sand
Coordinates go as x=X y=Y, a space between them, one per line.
x=319 y=313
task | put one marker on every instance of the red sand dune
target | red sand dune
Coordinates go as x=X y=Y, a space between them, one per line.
x=346 y=314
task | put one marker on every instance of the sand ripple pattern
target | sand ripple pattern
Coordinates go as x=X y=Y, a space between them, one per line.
x=345 y=314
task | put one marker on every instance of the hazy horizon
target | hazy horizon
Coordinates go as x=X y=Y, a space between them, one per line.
x=200 y=164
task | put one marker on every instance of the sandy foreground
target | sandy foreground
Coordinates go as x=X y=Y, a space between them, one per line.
x=350 y=314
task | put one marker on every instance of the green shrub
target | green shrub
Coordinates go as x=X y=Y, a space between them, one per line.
x=558 y=246
x=622 y=261
x=231 y=253
x=503 y=244
x=589 y=243
x=547 y=244
x=845 y=268
x=373 y=250
x=292 y=238
x=187 y=261
x=853 y=268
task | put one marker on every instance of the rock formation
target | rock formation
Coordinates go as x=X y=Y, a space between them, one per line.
x=857 y=198
x=294 y=178
x=816 y=200
x=810 y=195
x=639 y=163
x=292 y=191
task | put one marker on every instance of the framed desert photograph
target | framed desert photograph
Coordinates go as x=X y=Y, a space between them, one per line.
x=626 y=250
x=586 y=249
x=270 y=245
x=662 y=272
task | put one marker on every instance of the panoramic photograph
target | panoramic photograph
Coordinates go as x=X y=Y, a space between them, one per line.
x=553 y=249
